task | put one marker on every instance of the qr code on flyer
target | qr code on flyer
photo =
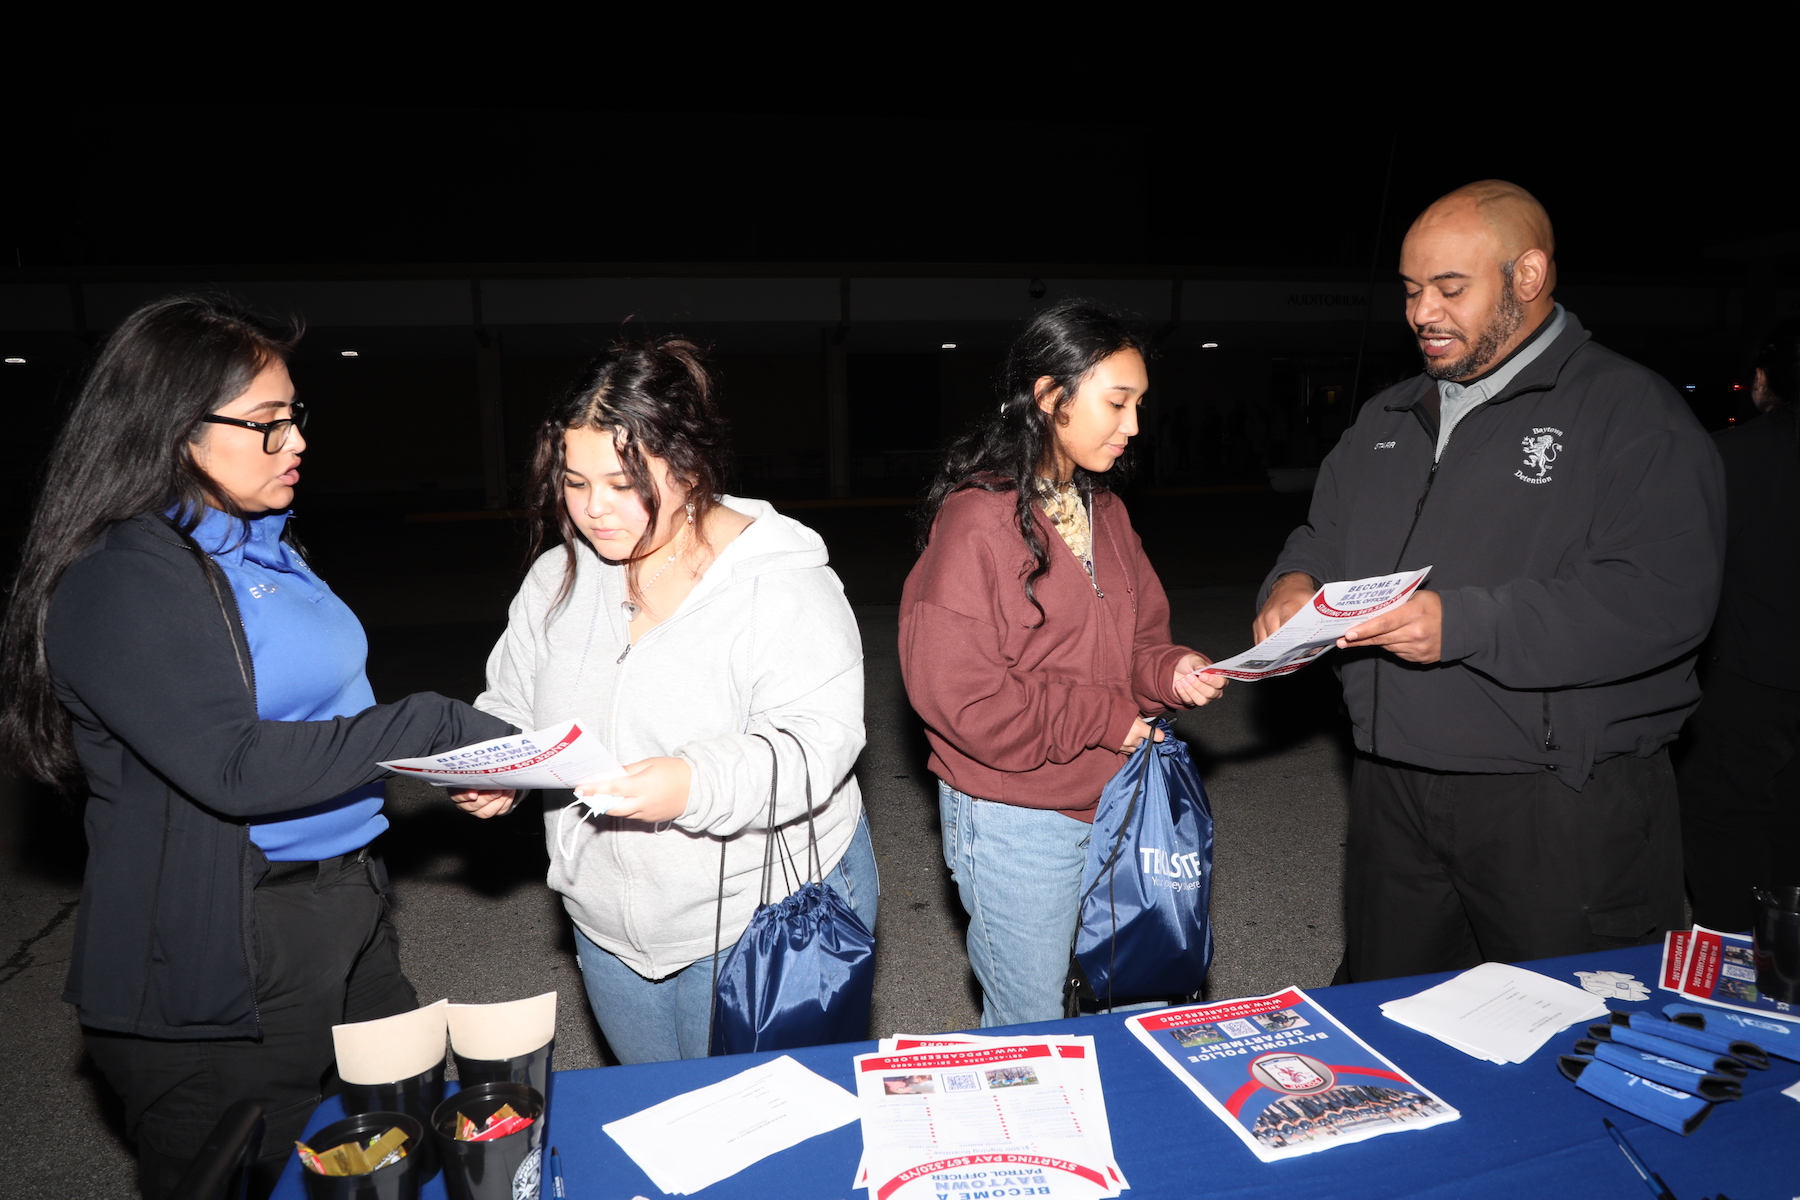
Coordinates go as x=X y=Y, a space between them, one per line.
x=962 y=1081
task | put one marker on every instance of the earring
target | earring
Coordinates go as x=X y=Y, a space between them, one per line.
x=690 y=512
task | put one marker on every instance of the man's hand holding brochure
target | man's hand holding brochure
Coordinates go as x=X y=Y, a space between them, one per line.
x=1316 y=627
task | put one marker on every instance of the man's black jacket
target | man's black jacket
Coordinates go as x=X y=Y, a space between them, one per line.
x=1753 y=636
x=1575 y=531
x=151 y=661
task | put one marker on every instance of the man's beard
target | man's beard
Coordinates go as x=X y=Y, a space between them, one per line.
x=1509 y=314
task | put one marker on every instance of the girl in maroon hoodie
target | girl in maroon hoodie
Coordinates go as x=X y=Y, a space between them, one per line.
x=1034 y=639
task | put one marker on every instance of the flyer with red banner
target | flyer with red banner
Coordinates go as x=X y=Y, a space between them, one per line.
x=1721 y=970
x=566 y=755
x=1285 y=1076
x=995 y=1118
x=1080 y=1059
x=1315 y=627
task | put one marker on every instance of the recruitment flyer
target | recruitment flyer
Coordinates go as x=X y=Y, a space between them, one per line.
x=566 y=755
x=956 y=1121
x=1334 y=610
x=1079 y=1058
x=1285 y=1076
x=1721 y=970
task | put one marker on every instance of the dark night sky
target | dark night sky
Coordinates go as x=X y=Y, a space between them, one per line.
x=131 y=186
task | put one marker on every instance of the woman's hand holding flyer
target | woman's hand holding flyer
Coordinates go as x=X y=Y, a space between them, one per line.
x=655 y=789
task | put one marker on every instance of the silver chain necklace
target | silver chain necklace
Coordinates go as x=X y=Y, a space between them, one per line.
x=631 y=609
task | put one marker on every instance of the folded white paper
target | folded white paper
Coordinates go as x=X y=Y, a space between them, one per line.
x=505 y=1030
x=403 y=1046
x=1496 y=1011
x=693 y=1140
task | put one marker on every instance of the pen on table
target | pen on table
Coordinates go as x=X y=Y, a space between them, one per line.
x=556 y=1175
x=1651 y=1179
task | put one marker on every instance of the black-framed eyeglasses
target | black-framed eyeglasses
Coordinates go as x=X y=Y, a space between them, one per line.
x=275 y=433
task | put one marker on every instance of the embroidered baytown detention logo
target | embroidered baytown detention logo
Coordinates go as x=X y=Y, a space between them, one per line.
x=1541 y=449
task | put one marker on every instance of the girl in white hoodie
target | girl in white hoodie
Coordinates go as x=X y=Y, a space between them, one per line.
x=682 y=624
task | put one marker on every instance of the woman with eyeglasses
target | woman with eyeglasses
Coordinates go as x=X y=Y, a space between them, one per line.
x=167 y=649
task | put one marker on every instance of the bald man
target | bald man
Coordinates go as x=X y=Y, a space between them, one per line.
x=1511 y=797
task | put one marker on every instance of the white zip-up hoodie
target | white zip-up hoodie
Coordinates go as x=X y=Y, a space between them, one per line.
x=765 y=641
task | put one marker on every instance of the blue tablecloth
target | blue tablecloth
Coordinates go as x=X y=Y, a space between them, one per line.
x=1525 y=1130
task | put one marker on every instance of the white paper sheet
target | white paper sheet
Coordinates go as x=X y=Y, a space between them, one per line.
x=1333 y=611
x=700 y=1137
x=563 y=756
x=504 y=1030
x=390 y=1049
x=1496 y=1011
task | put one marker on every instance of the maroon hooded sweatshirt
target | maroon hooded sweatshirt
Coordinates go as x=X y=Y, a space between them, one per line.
x=1017 y=710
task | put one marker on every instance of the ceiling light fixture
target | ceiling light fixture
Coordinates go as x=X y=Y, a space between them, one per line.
x=1209 y=345
x=948 y=346
x=16 y=360
x=348 y=353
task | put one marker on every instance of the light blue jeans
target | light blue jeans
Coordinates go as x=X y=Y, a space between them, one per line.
x=659 y=1020
x=1018 y=871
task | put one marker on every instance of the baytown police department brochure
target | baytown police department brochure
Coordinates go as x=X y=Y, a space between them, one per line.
x=1285 y=1076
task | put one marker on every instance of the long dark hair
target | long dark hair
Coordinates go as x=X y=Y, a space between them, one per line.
x=126 y=448
x=658 y=399
x=1005 y=453
x=1778 y=357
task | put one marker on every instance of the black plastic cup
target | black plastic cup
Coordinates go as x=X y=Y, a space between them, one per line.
x=417 y=1097
x=508 y=1168
x=531 y=1069
x=396 y=1181
x=1777 y=941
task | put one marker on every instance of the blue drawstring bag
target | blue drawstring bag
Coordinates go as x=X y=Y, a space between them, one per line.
x=803 y=973
x=1147 y=885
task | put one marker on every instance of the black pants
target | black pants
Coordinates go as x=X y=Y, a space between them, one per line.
x=327 y=953
x=1444 y=871
x=1740 y=796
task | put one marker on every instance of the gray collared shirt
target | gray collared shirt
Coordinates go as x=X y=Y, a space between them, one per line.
x=1457 y=400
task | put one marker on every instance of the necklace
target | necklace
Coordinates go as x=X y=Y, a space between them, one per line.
x=631 y=609
x=1074 y=520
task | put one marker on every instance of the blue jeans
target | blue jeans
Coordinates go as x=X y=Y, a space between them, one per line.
x=658 y=1020
x=1018 y=871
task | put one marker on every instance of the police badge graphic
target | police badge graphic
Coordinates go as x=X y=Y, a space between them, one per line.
x=1613 y=985
x=1541 y=448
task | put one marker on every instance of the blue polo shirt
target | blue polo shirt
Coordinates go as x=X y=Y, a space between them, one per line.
x=309 y=653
